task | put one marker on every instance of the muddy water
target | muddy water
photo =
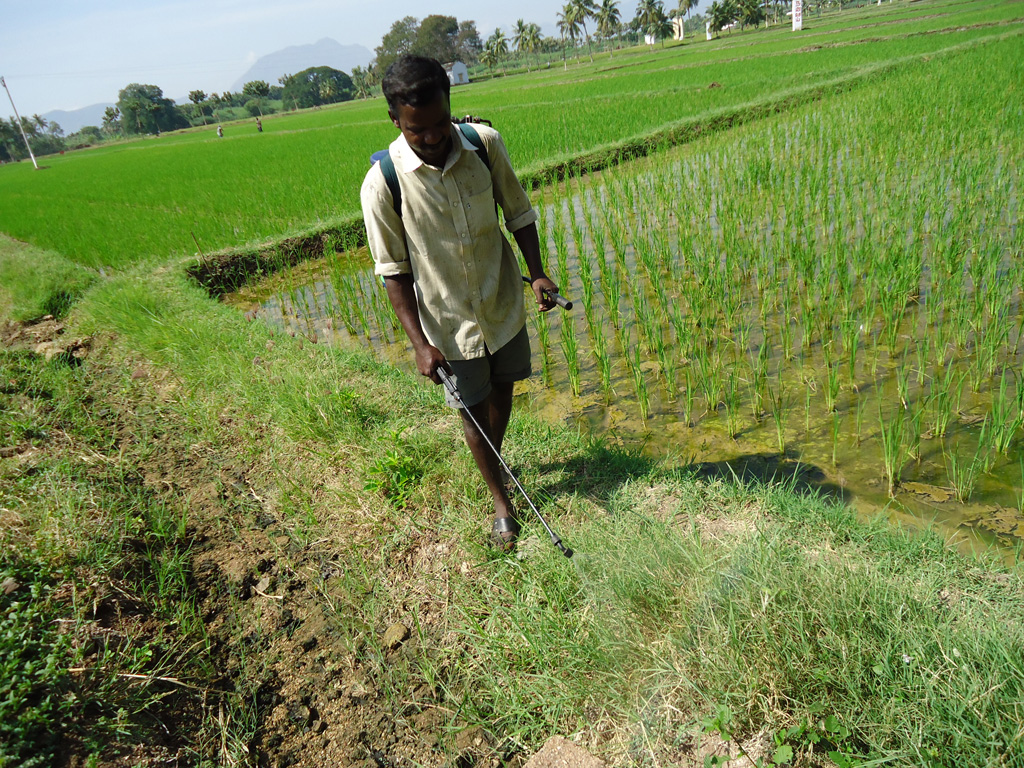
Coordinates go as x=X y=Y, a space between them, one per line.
x=837 y=453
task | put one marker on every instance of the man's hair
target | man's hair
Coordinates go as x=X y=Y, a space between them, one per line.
x=414 y=81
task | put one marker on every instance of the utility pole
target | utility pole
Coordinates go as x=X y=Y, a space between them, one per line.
x=21 y=128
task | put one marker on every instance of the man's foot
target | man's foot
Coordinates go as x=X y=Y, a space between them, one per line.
x=504 y=533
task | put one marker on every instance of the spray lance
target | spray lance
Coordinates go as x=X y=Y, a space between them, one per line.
x=449 y=384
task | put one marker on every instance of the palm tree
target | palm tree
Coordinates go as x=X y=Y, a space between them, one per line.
x=488 y=58
x=568 y=26
x=608 y=19
x=653 y=21
x=722 y=13
x=526 y=38
x=498 y=45
x=686 y=7
x=533 y=38
x=750 y=13
x=361 y=82
x=585 y=9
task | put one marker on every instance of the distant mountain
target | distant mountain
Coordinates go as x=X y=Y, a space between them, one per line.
x=288 y=61
x=75 y=119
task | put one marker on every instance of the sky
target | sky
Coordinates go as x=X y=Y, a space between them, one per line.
x=68 y=54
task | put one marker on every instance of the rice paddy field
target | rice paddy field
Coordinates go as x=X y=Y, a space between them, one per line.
x=113 y=206
x=837 y=287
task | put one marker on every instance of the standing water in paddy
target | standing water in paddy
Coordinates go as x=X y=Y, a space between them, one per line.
x=826 y=291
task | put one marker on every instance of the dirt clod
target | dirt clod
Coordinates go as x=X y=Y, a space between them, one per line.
x=394 y=636
x=559 y=752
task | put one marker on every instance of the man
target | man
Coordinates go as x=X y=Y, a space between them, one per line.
x=450 y=274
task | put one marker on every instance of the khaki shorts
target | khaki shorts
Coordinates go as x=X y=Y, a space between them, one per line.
x=473 y=378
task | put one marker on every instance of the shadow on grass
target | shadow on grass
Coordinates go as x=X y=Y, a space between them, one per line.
x=598 y=472
x=773 y=468
x=601 y=470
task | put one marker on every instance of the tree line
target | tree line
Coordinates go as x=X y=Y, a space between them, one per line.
x=581 y=25
x=142 y=109
x=46 y=137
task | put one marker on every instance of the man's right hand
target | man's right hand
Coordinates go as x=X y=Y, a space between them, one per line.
x=428 y=360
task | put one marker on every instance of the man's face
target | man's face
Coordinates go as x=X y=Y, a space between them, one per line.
x=427 y=128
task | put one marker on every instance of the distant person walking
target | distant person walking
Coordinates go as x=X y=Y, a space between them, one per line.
x=259 y=125
x=220 y=131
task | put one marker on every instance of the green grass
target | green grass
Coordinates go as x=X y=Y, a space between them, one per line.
x=101 y=636
x=34 y=282
x=789 y=610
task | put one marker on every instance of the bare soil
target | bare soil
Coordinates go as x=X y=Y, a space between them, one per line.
x=263 y=596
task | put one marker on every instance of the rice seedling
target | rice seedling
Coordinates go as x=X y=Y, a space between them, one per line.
x=611 y=287
x=635 y=361
x=945 y=400
x=777 y=405
x=964 y=471
x=831 y=384
x=1006 y=416
x=917 y=413
x=892 y=432
x=903 y=384
x=570 y=350
x=603 y=358
x=732 y=404
x=836 y=432
x=689 y=398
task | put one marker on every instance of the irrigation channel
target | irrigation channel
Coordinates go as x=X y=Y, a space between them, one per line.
x=865 y=333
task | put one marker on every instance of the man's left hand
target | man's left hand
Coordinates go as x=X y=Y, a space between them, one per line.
x=545 y=300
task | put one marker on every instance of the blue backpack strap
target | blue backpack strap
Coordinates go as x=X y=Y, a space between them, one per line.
x=474 y=138
x=387 y=167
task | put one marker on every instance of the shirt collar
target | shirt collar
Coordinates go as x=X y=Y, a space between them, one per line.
x=410 y=161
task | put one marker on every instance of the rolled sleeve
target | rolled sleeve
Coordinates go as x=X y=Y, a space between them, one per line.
x=385 y=233
x=528 y=218
x=508 y=191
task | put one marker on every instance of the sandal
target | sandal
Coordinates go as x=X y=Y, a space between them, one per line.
x=504 y=533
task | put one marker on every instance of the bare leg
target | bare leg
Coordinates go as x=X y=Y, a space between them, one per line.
x=486 y=460
x=501 y=410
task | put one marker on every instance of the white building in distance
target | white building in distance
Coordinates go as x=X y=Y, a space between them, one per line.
x=457 y=72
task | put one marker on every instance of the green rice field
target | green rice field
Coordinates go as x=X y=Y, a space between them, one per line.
x=839 y=286
x=114 y=206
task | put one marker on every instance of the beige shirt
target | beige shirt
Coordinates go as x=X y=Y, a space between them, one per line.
x=468 y=283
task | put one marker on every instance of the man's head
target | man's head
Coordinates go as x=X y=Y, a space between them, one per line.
x=417 y=91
